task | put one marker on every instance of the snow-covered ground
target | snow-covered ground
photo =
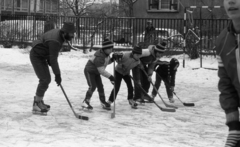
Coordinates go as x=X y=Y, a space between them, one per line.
x=147 y=126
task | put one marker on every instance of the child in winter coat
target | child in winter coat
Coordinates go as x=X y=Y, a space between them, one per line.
x=148 y=60
x=93 y=70
x=227 y=48
x=166 y=71
x=126 y=62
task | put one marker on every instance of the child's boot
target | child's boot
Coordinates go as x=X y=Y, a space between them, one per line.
x=86 y=104
x=104 y=104
x=46 y=105
x=133 y=103
x=38 y=106
x=171 y=100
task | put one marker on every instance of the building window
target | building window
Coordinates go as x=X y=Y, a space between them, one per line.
x=163 y=5
x=17 y=5
x=48 y=6
x=21 y=5
x=8 y=5
x=2 y=4
x=41 y=6
x=55 y=6
x=24 y=5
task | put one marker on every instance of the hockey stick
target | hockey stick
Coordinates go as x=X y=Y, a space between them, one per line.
x=114 y=104
x=150 y=99
x=167 y=105
x=72 y=46
x=76 y=115
x=185 y=104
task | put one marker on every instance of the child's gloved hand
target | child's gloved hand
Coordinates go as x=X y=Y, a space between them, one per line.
x=117 y=57
x=150 y=78
x=112 y=79
x=141 y=66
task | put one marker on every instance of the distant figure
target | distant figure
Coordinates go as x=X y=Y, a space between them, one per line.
x=149 y=35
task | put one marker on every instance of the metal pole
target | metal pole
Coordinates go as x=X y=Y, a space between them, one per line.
x=44 y=7
x=12 y=6
x=184 y=35
x=1 y=9
x=29 y=7
x=35 y=7
x=200 y=37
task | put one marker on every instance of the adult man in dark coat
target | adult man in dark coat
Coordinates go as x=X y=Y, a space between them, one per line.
x=44 y=53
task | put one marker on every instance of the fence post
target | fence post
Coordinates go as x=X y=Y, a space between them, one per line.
x=1 y=9
x=201 y=22
x=13 y=6
x=29 y=7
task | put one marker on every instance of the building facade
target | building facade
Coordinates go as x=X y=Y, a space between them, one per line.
x=176 y=8
x=29 y=7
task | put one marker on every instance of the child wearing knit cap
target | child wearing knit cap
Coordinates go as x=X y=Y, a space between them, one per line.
x=126 y=61
x=93 y=70
x=148 y=60
x=166 y=72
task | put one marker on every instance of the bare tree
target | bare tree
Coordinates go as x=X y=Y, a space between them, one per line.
x=81 y=8
x=76 y=7
x=127 y=7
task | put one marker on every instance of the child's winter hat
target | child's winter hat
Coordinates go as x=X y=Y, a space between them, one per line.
x=161 y=47
x=137 y=50
x=107 y=44
x=174 y=62
x=68 y=27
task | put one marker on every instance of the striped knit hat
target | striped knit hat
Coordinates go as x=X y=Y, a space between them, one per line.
x=107 y=44
x=161 y=47
x=137 y=50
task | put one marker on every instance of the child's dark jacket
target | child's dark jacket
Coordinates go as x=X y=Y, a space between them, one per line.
x=164 y=70
x=228 y=72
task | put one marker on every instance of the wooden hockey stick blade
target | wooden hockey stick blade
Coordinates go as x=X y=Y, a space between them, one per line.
x=76 y=115
x=170 y=106
x=164 y=109
x=161 y=108
x=167 y=105
x=189 y=104
x=82 y=117
x=184 y=104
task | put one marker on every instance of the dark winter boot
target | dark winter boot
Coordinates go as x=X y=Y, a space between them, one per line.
x=86 y=104
x=46 y=105
x=147 y=99
x=171 y=100
x=39 y=107
x=104 y=104
x=133 y=103
x=140 y=101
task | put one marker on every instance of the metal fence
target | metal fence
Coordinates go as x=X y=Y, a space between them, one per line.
x=123 y=31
